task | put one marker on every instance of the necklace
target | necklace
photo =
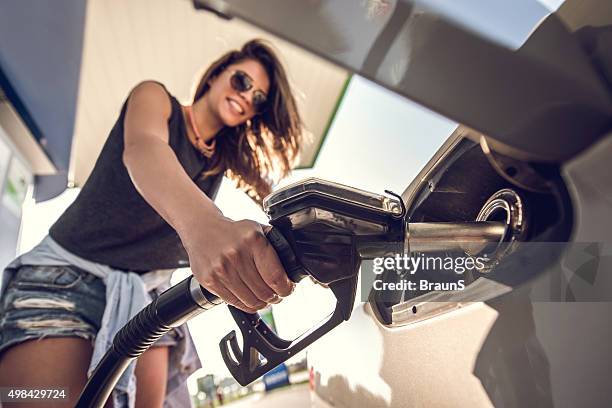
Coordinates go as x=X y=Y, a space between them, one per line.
x=207 y=149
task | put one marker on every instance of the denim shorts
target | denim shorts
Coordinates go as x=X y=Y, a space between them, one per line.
x=55 y=301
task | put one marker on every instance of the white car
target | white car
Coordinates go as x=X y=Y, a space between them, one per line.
x=533 y=97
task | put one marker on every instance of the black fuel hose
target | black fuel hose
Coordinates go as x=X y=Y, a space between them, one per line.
x=172 y=308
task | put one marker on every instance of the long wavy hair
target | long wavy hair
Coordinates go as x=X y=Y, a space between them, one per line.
x=259 y=152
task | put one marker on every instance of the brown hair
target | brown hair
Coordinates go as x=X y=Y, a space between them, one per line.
x=256 y=153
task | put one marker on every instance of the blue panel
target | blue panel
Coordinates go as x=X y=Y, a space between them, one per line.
x=277 y=377
x=40 y=59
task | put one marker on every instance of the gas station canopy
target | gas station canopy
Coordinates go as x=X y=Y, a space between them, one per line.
x=68 y=66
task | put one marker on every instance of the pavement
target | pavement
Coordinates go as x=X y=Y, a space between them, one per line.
x=296 y=396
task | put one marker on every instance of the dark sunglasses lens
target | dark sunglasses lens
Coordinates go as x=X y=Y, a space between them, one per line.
x=259 y=101
x=240 y=81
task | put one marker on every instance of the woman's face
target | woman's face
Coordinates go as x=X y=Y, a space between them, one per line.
x=231 y=106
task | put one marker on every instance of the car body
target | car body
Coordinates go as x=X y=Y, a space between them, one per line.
x=535 y=117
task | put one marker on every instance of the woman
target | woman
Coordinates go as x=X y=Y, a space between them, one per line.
x=147 y=209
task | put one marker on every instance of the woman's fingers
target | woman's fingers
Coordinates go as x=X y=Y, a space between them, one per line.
x=252 y=278
x=228 y=275
x=229 y=298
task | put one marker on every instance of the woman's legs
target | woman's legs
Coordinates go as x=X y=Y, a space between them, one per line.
x=151 y=376
x=47 y=363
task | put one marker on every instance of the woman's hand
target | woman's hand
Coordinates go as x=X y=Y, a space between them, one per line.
x=235 y=261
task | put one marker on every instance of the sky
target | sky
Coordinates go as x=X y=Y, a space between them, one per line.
x=378 y=141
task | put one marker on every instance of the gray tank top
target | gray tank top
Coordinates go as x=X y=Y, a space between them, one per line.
x=111 y=223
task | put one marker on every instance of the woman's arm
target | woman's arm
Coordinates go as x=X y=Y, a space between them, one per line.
x=231 y=259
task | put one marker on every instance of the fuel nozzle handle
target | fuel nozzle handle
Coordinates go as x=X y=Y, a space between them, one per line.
x=262 y=349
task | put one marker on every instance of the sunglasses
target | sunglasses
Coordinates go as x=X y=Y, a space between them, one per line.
x=242 y=82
